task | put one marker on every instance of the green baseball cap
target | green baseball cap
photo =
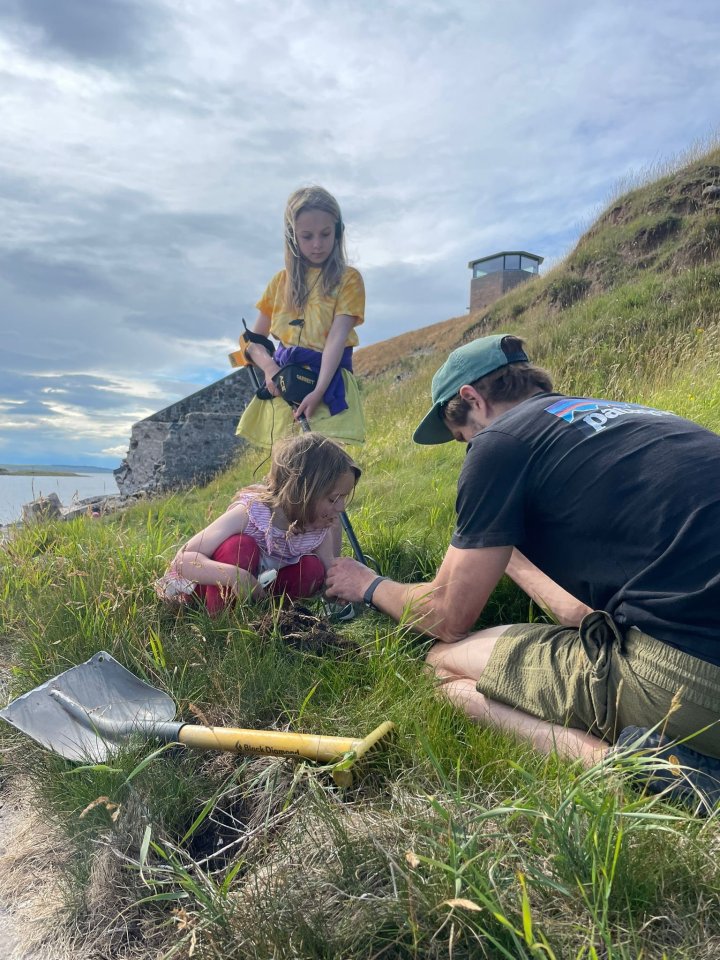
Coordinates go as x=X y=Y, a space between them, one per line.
x=465 y=365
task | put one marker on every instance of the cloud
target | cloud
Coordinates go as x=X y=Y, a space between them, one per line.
x=110 y=32
x=36 y=276
x=148 y=149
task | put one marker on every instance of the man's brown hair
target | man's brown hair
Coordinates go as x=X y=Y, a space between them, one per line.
x=511 y=383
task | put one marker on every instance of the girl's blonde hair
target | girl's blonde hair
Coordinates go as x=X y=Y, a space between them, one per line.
x=304 y=468
x=296 y=287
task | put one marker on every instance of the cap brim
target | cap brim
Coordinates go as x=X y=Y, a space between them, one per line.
x=432 y=428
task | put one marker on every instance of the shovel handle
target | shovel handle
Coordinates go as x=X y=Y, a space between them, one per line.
x=278 y=743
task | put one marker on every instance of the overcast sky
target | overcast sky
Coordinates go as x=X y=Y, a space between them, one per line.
x=147 y=148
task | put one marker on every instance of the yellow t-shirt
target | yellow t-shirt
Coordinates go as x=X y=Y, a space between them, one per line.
x=320 y=310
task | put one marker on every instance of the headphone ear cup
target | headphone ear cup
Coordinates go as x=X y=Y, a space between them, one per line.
x=339 y=229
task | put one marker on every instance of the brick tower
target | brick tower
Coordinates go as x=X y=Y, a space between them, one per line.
x=494 y=275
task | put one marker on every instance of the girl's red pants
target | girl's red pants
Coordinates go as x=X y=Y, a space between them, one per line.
x=301 y=579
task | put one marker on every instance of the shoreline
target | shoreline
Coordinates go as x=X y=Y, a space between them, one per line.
x=39 y=473
x=51 y=508
x=49 y=491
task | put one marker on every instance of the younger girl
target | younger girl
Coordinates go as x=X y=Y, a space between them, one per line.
x=289 y=524
x=312 y=307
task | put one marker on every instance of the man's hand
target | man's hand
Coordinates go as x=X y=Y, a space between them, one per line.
x=348 y=580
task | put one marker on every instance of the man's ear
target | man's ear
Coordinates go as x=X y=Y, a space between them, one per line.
x=470 y=395
x=476 y=400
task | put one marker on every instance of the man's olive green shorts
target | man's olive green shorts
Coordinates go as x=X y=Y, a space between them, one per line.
x=601 y=679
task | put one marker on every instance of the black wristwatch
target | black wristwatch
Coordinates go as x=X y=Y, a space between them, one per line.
x=368 y=597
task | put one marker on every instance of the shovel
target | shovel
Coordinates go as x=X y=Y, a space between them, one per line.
x=87 y=712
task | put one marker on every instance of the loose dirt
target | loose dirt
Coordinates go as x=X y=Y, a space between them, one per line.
x=299 y=628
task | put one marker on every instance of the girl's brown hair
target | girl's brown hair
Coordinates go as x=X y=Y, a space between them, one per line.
x=296 y=288
x=303 y=469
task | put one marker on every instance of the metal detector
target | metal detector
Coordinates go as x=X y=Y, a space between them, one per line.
x=262 y=393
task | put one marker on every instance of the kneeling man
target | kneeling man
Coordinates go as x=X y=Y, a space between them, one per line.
x=607 y=514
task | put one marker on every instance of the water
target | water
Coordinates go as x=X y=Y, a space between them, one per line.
x=16 y=491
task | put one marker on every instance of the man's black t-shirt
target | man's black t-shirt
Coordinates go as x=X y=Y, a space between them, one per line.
x=618 y=503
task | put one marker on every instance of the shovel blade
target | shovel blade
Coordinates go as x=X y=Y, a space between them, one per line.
x=103 y=688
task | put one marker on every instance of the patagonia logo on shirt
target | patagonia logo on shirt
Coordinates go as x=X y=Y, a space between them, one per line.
x=592 y=416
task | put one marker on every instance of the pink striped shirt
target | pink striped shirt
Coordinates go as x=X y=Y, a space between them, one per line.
x=279 y=546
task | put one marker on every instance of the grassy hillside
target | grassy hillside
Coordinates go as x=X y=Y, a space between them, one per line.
x=632 y=311
x=453 y=840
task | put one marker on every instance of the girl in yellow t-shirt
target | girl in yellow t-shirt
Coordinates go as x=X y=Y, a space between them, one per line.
x=312 y=307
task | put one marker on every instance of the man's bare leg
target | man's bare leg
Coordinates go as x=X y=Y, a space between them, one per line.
x=460 y=665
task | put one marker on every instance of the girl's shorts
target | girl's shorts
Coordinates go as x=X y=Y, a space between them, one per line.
x=601 y=679
x=265 y=421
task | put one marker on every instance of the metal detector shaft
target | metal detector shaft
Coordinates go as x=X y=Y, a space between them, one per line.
x=352 y=539
x=344 y=519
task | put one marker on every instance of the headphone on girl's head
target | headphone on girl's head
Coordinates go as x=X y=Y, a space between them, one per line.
x=291 y=239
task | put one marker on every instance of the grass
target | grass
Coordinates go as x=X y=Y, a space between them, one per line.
x=453 y=841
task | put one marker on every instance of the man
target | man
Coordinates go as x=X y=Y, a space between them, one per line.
x=605 y=513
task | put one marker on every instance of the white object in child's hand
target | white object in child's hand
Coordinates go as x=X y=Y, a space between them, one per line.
x=266 y=578
x=174 y=589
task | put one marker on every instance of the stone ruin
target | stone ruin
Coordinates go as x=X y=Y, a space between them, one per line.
x=50 y=507
x=189 y=441
x=186 y=443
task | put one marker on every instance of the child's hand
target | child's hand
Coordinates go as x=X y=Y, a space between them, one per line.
x=246 y=587
x=308 y=405
x=270 y=370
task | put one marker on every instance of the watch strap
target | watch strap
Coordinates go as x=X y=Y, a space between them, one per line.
x=368 y=596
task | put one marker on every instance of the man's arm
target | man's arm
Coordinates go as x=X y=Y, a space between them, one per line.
x=566 y=608
x=446 y=608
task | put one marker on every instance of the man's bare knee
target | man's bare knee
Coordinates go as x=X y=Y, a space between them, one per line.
x=464 y=658
x=436 y=655
x=435 y=663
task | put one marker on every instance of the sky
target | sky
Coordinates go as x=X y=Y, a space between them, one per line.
x=148 y=147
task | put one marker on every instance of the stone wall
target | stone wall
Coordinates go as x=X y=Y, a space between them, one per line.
x=189 y=441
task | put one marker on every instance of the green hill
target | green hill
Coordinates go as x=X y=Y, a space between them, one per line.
x=632 y=311
x=453 y=840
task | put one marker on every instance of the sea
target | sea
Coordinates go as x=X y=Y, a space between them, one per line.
x=16 y=491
